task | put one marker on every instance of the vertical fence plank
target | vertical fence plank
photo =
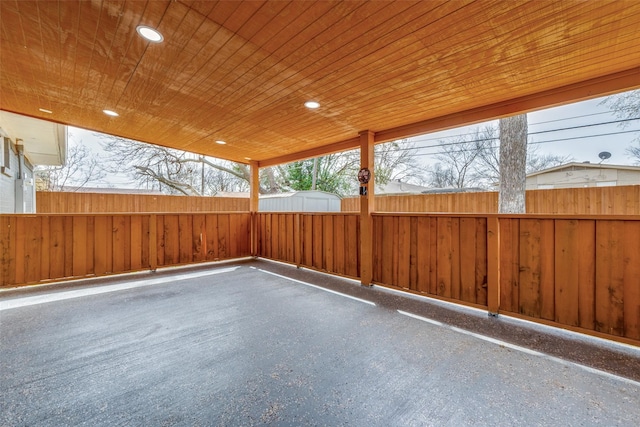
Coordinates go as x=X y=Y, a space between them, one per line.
x=339 y=244
x=387 y=250
x=79 y=246
x=468 y=258
x=223 y=236
x=567 y=275
x=153 y=242
x=610 y=277
x=233 y=236
x=547 y=269
x=119 y=242
x=102 y=233
x=318 y=250
x=509 y=264
x=199 y=238
x=413 y=253
x=423 y=254
x=455 y=258
x=185 y=231
x=211 y=225
x=136 y=242
x=529 y=300
x=433 y=256
x=404 y=252
x=19 y=258
x=586 y=241
x=56 y=247
x=32 y=248
x=631 y=291
x=444 y=256
x=68 y=246
x=482 y=262
x=327 y=241
x=378 y=247
x=45 y=249
x=352 y=225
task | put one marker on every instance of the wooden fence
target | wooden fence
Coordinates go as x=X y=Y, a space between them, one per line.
x=36 y=248
x=578 y=272
x=326 y=242
x=61 y=202
x=581 y=273
x=623 y=200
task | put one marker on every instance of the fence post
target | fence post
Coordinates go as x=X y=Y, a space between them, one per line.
x=493 y=265
x=153 y=242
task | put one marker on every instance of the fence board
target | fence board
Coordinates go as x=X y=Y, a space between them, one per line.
x=610 y=277
x=621 y=200
x=352 y=262
x=75 y=202
x=79 y=246
x=631 y=292
x=468 y=257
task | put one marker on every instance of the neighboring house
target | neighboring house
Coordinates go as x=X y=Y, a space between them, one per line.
x=583 y=175
x=399 y=187
x=24 y=143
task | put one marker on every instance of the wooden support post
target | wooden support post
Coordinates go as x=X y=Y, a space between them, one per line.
x=493 y=265
x=254 y=192
x=367 y=206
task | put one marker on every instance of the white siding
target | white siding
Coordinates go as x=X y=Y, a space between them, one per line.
x=8 y=179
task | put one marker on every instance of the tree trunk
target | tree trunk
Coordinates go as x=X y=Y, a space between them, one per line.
x=314 y=174
x=513 y=161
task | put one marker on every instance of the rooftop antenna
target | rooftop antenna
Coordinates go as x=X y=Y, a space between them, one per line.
x=604 y=155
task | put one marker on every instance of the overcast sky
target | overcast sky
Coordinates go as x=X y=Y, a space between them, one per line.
x=585 y=120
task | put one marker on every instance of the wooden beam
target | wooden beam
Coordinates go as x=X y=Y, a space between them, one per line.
x=367 y=206
x=589 y=89
x=349 y=144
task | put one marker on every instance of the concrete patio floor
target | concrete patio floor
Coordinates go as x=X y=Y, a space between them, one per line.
x=257 y=342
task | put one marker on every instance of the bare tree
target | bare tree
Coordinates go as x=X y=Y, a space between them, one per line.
x=473 y=160
x=459 y=159
x=513 y=160
x=173 y=171
x=626 y=106
x=80 y=169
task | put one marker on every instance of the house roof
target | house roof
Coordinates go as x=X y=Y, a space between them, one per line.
x=398 y=187
x=44 y=142
x=240 y=71
x=584 y=166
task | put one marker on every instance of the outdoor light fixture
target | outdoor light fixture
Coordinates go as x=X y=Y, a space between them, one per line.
x=312 y=105
x=110 y=113
x=220 y=142
x=150 y=34
x=44 y=110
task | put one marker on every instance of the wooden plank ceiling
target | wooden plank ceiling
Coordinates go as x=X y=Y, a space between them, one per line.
x=241 y=71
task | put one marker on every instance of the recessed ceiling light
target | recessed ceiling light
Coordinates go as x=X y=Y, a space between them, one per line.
x=44 y=110
x=312 y=104
x=220 y=142
x=110 y=113
x=150 y=34
x=247 y=158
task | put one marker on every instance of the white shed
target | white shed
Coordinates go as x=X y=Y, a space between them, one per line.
x=300 y=201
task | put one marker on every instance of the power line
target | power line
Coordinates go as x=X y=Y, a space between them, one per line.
x=532 y=133
x=420 y=139
x=462 y=150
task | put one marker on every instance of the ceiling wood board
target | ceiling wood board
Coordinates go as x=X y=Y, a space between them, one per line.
x=241 y=70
